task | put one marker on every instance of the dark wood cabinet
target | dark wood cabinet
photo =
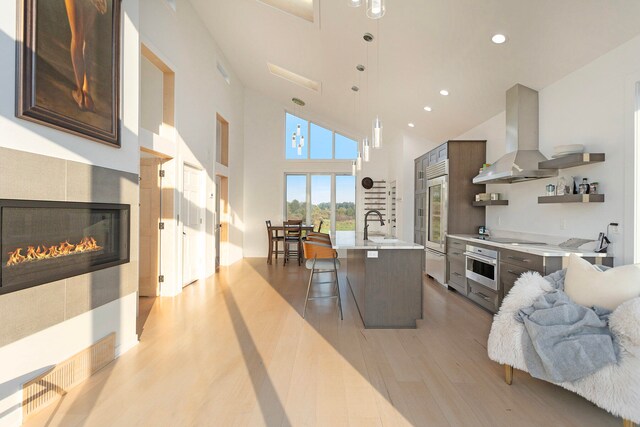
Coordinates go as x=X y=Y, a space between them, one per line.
x=465 y=159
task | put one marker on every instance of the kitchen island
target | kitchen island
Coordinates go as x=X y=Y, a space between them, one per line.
x=385 y=278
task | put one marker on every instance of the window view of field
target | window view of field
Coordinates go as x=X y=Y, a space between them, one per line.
x=321 y=206
x=345 y=214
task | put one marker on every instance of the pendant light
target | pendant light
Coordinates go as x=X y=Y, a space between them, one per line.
x=359 y=161
x=377 y=133
x=355 y=3
x=376 y=9
x=353 y=168
x=297 y=139
x=377 y=124
x=366 y=149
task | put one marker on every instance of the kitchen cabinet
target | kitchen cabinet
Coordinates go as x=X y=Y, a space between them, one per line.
x=418 y=173
x=455 y=275
x=465 y=159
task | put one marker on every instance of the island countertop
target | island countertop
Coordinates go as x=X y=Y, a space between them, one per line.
x=354 y=240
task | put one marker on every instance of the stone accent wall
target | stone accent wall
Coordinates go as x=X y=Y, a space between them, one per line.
x=35 y=177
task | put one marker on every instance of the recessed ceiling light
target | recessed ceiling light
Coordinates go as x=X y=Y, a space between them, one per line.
x=411 y=125
x=499 y=38
x=427 y=108
x=444 y=92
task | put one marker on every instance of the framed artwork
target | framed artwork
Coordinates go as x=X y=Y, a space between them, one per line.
x=68 y=66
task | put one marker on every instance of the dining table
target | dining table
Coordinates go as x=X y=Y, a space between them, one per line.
x=279 y=232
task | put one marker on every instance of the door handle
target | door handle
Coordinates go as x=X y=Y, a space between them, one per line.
x=483 y=296
x=512 y=272
x=518 y=259
x=457 y=274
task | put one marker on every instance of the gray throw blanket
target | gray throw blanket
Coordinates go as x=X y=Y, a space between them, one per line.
x=564 y=341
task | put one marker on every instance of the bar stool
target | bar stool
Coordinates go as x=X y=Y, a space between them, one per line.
x=321 y=258
x=292 y=236
x=275 y=238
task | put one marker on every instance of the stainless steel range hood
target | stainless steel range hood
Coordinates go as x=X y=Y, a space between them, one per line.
x=522 y=158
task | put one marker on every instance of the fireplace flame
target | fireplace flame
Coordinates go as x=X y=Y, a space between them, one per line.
x=33 y=253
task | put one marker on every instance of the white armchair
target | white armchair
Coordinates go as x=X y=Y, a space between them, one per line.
x=615 y=388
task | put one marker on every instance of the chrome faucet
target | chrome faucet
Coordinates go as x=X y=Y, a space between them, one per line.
x=366 y=222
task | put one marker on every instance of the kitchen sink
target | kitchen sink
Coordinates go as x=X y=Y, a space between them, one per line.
x=382 y=239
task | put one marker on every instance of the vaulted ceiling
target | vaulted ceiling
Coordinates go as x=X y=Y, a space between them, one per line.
x=424 y=46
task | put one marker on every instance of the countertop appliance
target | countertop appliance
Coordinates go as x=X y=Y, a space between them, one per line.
x=482 y=266
x=437 y=204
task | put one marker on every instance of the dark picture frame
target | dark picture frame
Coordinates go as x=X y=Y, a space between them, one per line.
x=46 y=75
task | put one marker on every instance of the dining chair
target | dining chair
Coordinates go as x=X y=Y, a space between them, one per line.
x=321 y=258
x=292 y=237
x=275 y=238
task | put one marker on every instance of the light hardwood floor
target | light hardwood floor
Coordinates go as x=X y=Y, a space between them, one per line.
x=235 y=352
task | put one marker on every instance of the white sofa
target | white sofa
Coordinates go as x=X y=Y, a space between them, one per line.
x=615 y=388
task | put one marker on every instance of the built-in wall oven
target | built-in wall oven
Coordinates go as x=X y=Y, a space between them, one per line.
x=482 y=266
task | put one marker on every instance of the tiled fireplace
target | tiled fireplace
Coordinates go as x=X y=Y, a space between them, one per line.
x=68 y=241
x=45 y=241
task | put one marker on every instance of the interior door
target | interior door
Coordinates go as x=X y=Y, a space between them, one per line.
x=436 y=213
x=218 y=215
x=150 y=214
x=192 y=225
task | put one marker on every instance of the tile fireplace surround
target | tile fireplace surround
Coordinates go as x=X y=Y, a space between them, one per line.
x=26 y=176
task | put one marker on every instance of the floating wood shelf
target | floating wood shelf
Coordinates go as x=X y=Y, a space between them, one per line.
x=491 y=203
x=572 y=160
x=573 y=198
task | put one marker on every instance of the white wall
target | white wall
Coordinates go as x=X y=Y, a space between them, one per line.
x=65 y=339
x=180 y=39
x=590 y=106
x=265 y=166
x=151 y=96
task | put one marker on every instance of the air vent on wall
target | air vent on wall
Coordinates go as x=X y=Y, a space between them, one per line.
x=294 y=78
x=55 y=383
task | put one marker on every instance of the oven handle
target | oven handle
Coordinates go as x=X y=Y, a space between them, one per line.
x=481 y=258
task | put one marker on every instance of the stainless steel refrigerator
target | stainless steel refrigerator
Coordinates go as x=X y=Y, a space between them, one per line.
x=436 y=201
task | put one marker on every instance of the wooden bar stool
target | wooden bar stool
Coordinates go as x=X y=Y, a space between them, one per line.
x=275 y=238
x=321 y=258
x=293 y=237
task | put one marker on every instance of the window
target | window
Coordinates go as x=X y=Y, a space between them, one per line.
x=346 y=148
x=297 y=197
x=319 y=143
x=330 y=198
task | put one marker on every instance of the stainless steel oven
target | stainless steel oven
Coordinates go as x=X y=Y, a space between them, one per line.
x=482 y=266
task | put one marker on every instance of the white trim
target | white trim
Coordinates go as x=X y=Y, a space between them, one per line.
x=629 y=231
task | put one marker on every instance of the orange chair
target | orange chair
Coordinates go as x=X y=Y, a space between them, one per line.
x=321 y=258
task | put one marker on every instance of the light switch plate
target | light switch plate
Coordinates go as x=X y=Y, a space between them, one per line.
x=372 y=254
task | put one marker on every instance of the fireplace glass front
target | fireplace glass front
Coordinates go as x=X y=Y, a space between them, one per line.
x=42 y=242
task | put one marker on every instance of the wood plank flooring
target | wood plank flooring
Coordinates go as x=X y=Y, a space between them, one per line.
x=234 y=351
